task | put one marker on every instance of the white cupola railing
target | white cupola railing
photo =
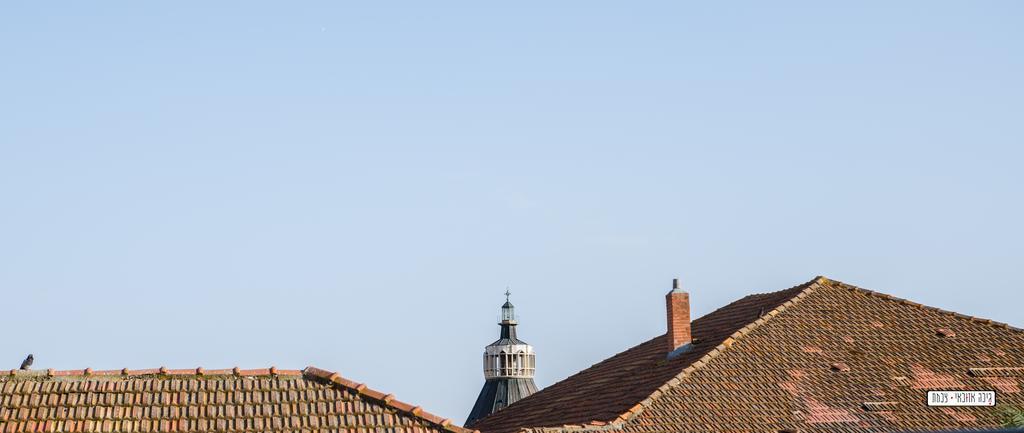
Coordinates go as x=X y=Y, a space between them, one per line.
x=514 y=360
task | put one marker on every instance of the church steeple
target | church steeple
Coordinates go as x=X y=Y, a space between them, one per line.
x=509 y=364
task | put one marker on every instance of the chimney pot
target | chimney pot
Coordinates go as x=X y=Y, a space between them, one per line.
x=677 y=308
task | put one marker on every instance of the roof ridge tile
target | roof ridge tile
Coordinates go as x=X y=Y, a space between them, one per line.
x=385 y=399
x=632 y=412
x=730 y=321
x=170 y=388
x=818 y=284
x=908 y=302
x=199 y=371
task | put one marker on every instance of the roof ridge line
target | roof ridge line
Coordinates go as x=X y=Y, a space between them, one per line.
x=819 y=284
x=198 y=371
x=905 y=301
x=809 y=288
x=638 y=408
x=616 y=423
x=581 y=371
x=387 y=400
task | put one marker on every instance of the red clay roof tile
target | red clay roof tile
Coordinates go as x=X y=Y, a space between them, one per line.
x=259 y=400
x=763 y=371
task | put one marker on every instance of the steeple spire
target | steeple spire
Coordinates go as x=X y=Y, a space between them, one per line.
x=508 y=318
x=509 y=365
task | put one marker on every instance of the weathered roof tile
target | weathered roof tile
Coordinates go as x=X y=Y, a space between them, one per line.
x=197 y=400
x=773 y=362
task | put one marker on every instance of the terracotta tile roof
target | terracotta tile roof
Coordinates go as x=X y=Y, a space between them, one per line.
x=608 y=390
x=198 y=400
x=825 y=356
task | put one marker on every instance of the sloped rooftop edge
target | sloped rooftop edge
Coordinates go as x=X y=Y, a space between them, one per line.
x=324 y=376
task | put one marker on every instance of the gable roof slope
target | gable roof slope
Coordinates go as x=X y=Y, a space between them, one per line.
x=827 y=357
x=608 y=389
x=198 y=400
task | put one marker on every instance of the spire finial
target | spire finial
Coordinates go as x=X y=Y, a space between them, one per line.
x=508 y=292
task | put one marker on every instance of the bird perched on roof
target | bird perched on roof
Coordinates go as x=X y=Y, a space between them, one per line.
x=27 y=362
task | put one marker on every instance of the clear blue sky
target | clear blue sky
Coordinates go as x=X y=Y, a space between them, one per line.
x=352 y=187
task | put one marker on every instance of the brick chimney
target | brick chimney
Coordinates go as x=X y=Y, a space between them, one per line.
x=677 y=308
